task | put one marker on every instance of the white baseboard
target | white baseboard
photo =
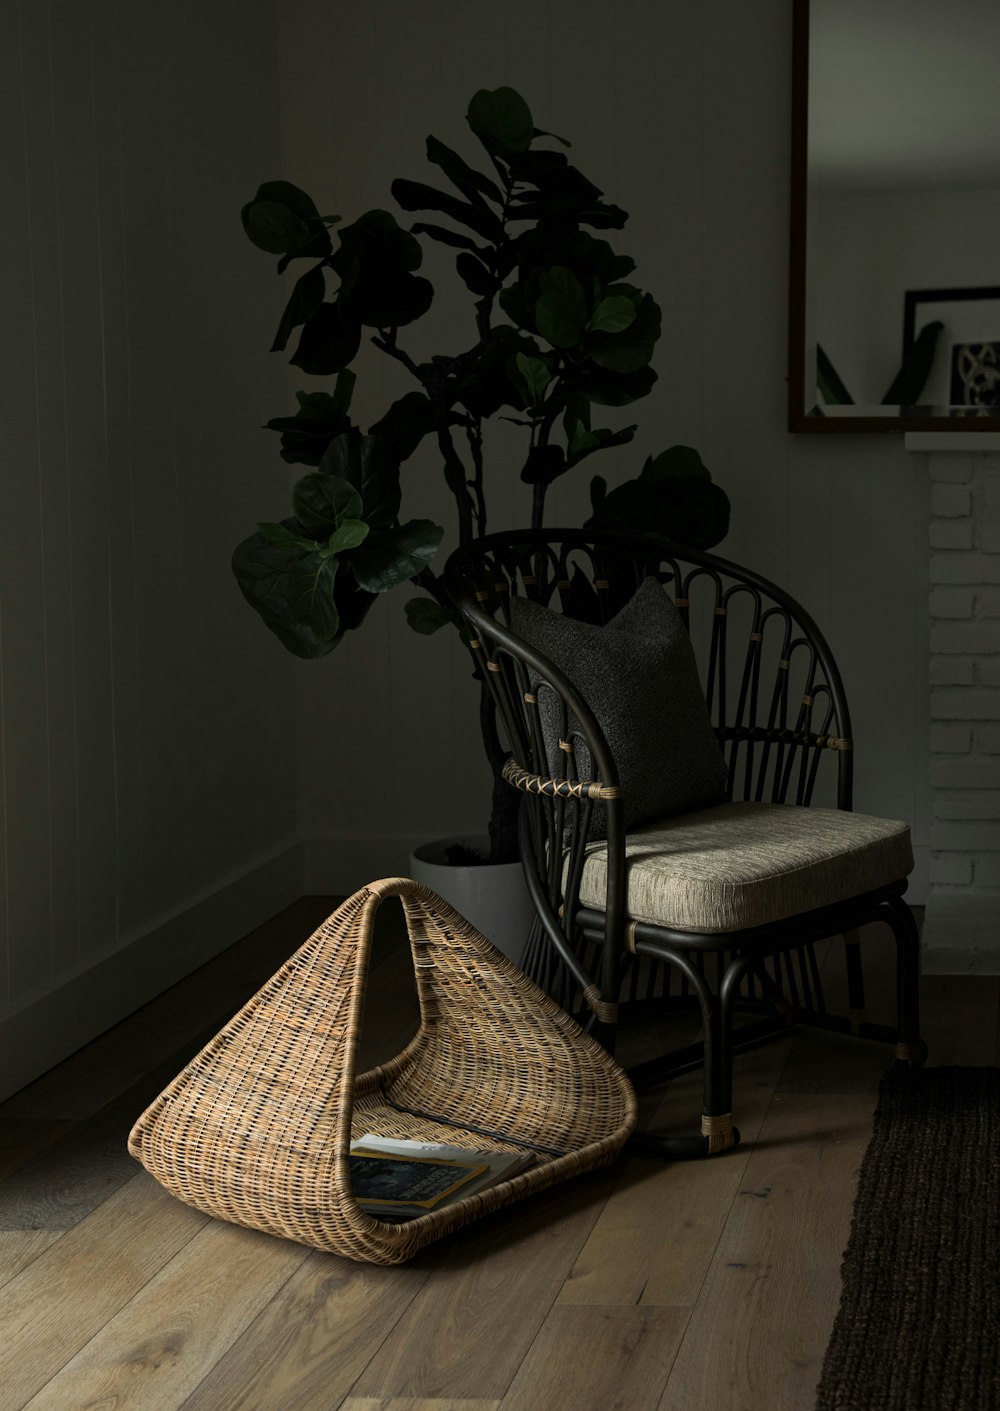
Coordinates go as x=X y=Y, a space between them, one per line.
x=47 y=1030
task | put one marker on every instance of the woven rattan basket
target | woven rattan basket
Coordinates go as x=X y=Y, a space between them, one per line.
x=256 y=1129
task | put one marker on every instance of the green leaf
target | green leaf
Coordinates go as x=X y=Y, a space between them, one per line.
x=602 y=440
x=612 y=315
x=306 y=435
x=514 y=305
x=427 y=616
x=271 y=226
x=828 y=382
x=472 y=184
x=323 y=502
x=371 y=464
x=285 y=538
x=580 y=441
x=502 y=121
x=416 y=196
x=292 y=196
x=561 y=311
x=687 y=509
x=311 y=602
x=630 y=350
x=327 y=343
x=283 y=220
x=535 y=375
x=475 y=275
x=391 y=556
x=674 y=462
x=540 y=132
x=613 y=389
x=909 y=381
x=307 y=296
x=343 y=391
x=348 y=535
x=543 y=465
x=447 y=237
x=406 y=423
x=375 y=260
x=292 y=591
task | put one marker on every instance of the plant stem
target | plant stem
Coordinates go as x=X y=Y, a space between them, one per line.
x=540 y=489
x=455 y=477
x=386 y=343
x=474 y=433
x=432 y=584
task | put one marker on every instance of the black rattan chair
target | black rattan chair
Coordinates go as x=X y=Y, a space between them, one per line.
x=616 y=933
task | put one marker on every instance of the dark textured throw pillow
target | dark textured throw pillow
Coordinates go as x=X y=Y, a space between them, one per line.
x=639 y=677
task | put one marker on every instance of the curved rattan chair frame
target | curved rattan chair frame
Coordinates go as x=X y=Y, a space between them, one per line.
x=780 y=742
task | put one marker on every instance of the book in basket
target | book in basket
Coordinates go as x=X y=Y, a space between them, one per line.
x=397 y=1179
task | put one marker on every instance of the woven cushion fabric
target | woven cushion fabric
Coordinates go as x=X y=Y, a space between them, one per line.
x=746 y=864
x=639 y=677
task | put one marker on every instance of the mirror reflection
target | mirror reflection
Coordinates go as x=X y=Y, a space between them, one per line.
x=900 y=314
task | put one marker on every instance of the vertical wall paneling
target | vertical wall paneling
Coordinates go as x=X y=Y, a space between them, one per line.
x=148 y=744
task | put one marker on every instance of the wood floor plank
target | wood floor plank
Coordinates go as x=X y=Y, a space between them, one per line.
x=592 y=1358
x=415 y=1403
x=168 y=1337
x=19 y=1248
x=656 y=1237
x=825 y=1062
x=21 y=1138
x=503 y=1273
x=56 y=1305
x=589 y=1285
x=61 y=1185
x=72 y=1175
x=758 y=1332
x=960 y=1015
x=307 y=1348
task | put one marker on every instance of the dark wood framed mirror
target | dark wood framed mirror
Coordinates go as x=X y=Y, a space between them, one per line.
x=894 y=293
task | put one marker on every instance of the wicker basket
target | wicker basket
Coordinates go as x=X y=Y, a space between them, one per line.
x=256 y=1129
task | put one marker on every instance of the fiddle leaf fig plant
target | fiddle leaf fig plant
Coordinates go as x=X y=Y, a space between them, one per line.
x=557 y=329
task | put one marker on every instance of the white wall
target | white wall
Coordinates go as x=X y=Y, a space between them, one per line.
x=681 y=113
x=156 y=775
x=148 y=771
x=871 y=247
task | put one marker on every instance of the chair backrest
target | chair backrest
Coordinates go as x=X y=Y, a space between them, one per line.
x=773 y=689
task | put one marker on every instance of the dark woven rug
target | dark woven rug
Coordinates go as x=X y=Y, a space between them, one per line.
x=918 y=1328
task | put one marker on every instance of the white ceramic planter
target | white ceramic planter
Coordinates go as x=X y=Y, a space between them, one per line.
x=494 y=898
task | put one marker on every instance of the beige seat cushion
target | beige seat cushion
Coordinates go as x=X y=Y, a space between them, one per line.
x=746 y=864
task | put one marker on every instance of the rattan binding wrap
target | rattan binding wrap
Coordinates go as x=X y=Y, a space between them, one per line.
x=256 y=1128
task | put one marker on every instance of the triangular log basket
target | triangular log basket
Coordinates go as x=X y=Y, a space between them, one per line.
x=256 y=1128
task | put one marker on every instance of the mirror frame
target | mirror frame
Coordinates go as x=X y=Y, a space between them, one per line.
x=797 y=419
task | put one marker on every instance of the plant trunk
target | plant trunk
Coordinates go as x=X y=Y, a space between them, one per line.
x=506 y=800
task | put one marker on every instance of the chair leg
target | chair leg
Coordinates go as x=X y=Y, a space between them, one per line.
x=855 y=979
x=911 y=1051
x=717 y=1131
x=717 y=1128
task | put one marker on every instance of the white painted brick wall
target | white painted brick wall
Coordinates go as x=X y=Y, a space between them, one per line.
x=964 y=603
x=954 y=739
x=952 y=602
x=951 y=534
x=976 y=567
x=951 y=501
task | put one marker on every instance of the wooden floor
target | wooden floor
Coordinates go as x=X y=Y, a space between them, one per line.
x=700 y=1287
